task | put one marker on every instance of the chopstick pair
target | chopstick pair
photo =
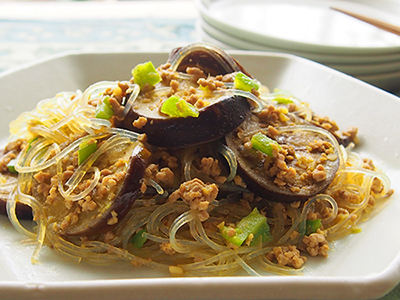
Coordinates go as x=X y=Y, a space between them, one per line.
x=378 y=23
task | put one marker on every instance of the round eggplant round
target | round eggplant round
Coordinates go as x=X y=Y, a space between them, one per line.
x=110 y=200
x=307 y=163
x=214 y=121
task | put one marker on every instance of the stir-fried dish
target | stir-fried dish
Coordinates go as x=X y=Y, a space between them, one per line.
x=192 y=167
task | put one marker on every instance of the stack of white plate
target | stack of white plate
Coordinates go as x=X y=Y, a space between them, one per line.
x=311 y=29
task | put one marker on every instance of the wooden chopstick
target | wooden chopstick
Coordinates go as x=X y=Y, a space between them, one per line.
x=378 y=23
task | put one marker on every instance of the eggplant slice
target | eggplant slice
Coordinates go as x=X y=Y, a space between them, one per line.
x=121 y=170
x=220 y=110
x=214 y=121
x=308 y=162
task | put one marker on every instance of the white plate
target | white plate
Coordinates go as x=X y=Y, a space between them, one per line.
x=302 y=25
x=382 y=78
x=355 y=268
x=232 y=42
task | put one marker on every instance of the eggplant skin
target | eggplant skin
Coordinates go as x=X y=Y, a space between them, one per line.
x=23 y=211
x=213 y=122
x=123 y=201
x=202 y=59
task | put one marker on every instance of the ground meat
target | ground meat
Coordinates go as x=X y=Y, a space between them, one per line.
x=43 y=178
x=211 y=83
x=195 y=72
x=210 y=167
x=114 y=218
x=165 y=177
x=166 y=74
x=325 y=123
x=287 y=256
x=269 y=115
x=197 y=194
x=319 y=174
x=167 y=248
x=315 y=244
x=10 y=152
x=174 y=84
x=140 y=122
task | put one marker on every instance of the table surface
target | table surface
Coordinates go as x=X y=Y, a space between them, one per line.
x=34 y=30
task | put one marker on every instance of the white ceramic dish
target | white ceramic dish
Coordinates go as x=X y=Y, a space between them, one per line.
x=303 y=25
x=204 y=28
x=362 y=266
x=382 y=78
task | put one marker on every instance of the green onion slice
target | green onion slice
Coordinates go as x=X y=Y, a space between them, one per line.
x=86 y=149
x=177 y=107
x=11 y=166
x=104 y=110
x=254 y=223
x=139 y=239
x=263 y=143
x=245 y=83
x=145 y=73
x=312 y=226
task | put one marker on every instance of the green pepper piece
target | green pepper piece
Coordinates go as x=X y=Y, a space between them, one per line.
x=312 y=226
x=245 y=83
x=139 y=239
x=177 y=107
x=145 y=73
x=11 y=166
x=104 y=110
x=85 y=150
x=254 y=223
x=263 y=143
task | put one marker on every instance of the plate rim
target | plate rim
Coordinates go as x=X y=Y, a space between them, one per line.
x=387 y=279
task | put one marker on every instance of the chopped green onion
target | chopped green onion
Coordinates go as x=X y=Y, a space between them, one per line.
x=177 y=107
x=245 y=83
x=139 y=239
x=11 y=166
x=31 y=142
x=263 y=143
x=312 y=226
x=263 y=235
x=85 y=150
x=254 y=223
x=282 y=100
x=104 y=110
x=145 y=73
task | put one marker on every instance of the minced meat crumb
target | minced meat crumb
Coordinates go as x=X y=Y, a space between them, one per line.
x=140 y=122
x=210 y=167
x=315 y=244
x=10 y=152
x=165 y=177
x=287 y=256
x=167 y=248
x=197 y=194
